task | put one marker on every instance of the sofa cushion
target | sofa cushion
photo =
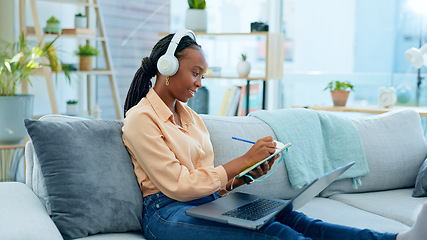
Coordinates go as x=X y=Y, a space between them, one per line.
x=88 y=175
x=395 y=149
x=115 y=236
x=420 y=189
x=221 y=129
x=332 y=211
x=23 y=216
x=393 y=204
x=33 y=174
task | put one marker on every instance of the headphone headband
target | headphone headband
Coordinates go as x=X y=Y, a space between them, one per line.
x=177 y=38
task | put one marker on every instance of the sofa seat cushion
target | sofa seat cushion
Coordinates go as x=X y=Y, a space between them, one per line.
x=397 y=204
x=395 y=148
x=115 y=236
x=88 y=175
x=23 y=216
x=222 y=129
x=336 y=212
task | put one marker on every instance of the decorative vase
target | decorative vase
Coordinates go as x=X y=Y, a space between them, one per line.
x=53 y=27
x=200 y=102
x=80 y=22
x=13 y=111
x=340 y=97
x=196 y=20
x=85 y=63
x=403 y=94
x=72 y=109
x=243 y=69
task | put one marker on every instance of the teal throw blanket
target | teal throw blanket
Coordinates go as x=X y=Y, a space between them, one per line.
x=321 y=142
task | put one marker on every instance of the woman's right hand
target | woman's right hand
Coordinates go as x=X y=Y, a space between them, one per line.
x=262 y=149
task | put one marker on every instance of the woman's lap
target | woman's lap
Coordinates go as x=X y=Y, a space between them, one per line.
x=165 y=218
x=171 y=222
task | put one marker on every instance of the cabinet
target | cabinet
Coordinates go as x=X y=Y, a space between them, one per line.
x=90 y=6
x=265 y=52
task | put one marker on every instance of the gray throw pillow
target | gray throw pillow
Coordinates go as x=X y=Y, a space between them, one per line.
x=420 y=189
x=89 y=176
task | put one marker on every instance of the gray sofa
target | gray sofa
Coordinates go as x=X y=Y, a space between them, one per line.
x=394 y=144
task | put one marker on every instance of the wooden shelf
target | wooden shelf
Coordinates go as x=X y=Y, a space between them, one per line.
x=244 y=78
x=78 y=36
x=40 y=72
x=274 y=58
x=224 y=34
x=15 y=146
x=81 y=3
x=94 y=72
x=366 y=109
x=97 y=33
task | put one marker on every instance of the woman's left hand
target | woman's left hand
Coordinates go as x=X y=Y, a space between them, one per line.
x=262 y=169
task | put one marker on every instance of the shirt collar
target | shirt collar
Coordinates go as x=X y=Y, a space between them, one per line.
x=163 y=111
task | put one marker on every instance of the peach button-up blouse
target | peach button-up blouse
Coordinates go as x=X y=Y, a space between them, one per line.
x=177 y=161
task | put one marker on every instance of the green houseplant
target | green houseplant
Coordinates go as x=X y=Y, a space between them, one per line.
x=197 y=4
x=72 y=107
x=339 y=91
x=80 y=21
x=86 y=54
x=18 y=61
x=196 y=17
x=53 y=25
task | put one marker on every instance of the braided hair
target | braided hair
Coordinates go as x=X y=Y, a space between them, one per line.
x=141 y=82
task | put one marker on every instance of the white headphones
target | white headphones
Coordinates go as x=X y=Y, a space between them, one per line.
x=168 y=64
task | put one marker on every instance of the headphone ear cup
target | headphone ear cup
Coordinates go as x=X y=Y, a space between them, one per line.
x=167 y=65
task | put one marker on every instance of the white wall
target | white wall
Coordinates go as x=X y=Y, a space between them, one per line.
x=324 y=35
x=7 y=21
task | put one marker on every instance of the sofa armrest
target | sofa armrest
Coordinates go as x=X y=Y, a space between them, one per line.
x=23 y=216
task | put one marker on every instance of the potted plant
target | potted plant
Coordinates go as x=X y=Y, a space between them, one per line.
x=243 y=67
x=17 y=62
x=339 y=91
x=86 y=53
x=72 y=107
x=196 y=17
x=53 y=25
x=80 y=21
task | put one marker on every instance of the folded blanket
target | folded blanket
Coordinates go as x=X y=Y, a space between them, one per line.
x=321 y=142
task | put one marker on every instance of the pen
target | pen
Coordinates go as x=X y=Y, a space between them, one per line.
x=243 y=140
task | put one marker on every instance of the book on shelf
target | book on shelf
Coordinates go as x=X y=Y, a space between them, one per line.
x=224 y=102
x=255 y=99
x=230 y=102
x=234 y=102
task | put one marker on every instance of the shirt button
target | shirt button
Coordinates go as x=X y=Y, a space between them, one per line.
x=157 y=206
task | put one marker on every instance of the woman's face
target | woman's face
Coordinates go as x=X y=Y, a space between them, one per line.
x=192 y=66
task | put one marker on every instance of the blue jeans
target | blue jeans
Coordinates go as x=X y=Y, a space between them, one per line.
x=164 y=218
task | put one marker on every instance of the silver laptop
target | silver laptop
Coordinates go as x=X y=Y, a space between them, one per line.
x=252 y=211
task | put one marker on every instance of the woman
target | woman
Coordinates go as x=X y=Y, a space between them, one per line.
x=173 y=159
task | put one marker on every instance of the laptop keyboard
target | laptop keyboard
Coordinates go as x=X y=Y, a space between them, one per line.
x=254 y=210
